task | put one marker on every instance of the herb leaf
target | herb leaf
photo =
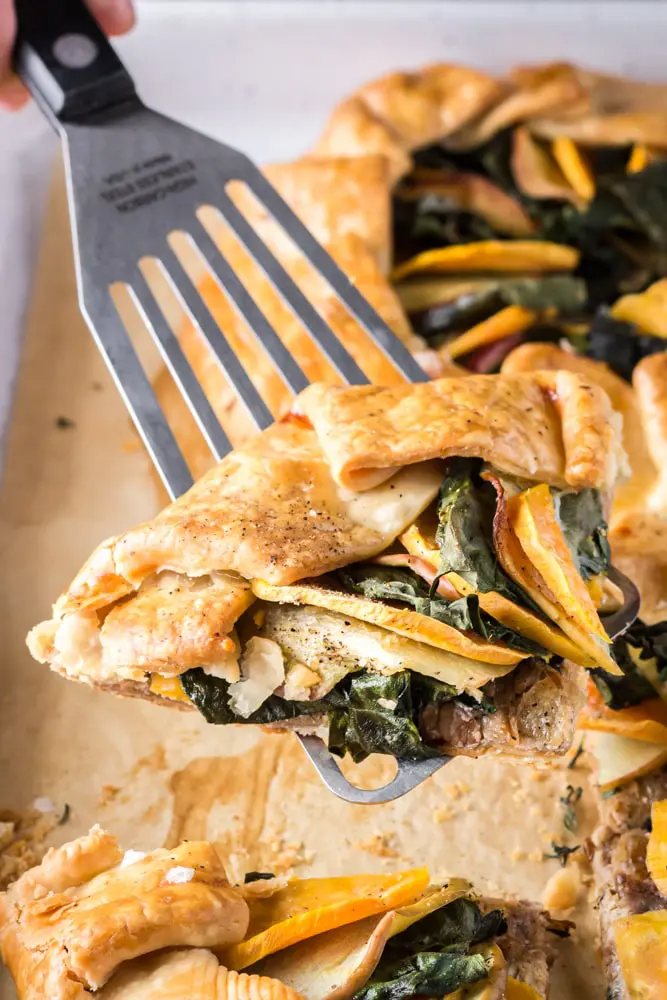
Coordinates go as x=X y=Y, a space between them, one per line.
x=569 y=801
x=562 y=852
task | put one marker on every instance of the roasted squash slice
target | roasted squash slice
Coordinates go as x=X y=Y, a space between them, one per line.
x=646 y=721
x=647 y=310
x=518 y=566
x=656 y=851
x=576 y=168
x=303 y=908
x=491 y=255
x=532 y=518
x=641 y=946
x=497 y=605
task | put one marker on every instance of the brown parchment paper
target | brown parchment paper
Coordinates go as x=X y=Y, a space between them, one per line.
x=154 y=776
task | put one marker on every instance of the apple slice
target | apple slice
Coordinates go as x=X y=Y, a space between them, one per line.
x=621 y=759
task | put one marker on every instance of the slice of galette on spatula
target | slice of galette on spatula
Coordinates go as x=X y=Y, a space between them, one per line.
x=415 y=570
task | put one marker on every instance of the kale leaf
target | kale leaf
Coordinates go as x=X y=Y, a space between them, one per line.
x=649 y=642
x=367 y=712
x=427 y=974
x=432 y=957
x=374 y=713
x=466 y=508
x=618 y=343
x=584 y=529
x=211 y=696
x=451 y=928
x=392 y=583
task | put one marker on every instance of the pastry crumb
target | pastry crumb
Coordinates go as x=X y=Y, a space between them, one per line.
x=518 y=855
x=443 y=813
x=23 y=841
x=536 y=856
x=283 y=857
x=562 y=889
x=458 y=790
x=108 y=794
x=380 y=844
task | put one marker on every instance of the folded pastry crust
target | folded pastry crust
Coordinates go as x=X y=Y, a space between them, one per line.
x=280 y=509
x=67 y=925
x=93 y=921
x=638 y=520
x=463 y=108
x=557 y=428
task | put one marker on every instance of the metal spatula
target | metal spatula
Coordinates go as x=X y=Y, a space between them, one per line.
x=134 y=178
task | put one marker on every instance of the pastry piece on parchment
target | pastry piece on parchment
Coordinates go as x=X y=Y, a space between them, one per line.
x=91 y=920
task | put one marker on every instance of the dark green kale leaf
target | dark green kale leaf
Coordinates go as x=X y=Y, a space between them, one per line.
x=367 y=712
x=432 y=221
x=374 y=713
x=585 y=530
x=454 y=927
x=211 y=696
x=427 y=974
x=650 y=641
x=563 y=292
x=393 y=583
x=432 y=957
x=643 y=195
x=619 y=344
x=466 y=508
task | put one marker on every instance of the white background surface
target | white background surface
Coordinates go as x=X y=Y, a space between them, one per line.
x=263 y=74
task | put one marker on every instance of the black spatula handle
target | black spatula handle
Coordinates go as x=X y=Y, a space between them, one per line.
x=66 y=61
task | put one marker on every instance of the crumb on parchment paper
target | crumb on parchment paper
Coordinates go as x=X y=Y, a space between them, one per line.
x=458 y=790
x=381 y=845
x=281 y=857
x=23 y=839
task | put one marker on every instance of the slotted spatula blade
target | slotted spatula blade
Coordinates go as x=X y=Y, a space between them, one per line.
x=135 y=178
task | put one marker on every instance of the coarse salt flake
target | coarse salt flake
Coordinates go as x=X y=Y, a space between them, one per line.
x=130 y=857
x=179 y=874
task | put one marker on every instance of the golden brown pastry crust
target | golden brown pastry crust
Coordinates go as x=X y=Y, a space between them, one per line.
x=464 y=108
x=638 y=519
x=402 y=111
x=66 y=925
x=552 y=427
x=164 y=596
x=190 y=974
